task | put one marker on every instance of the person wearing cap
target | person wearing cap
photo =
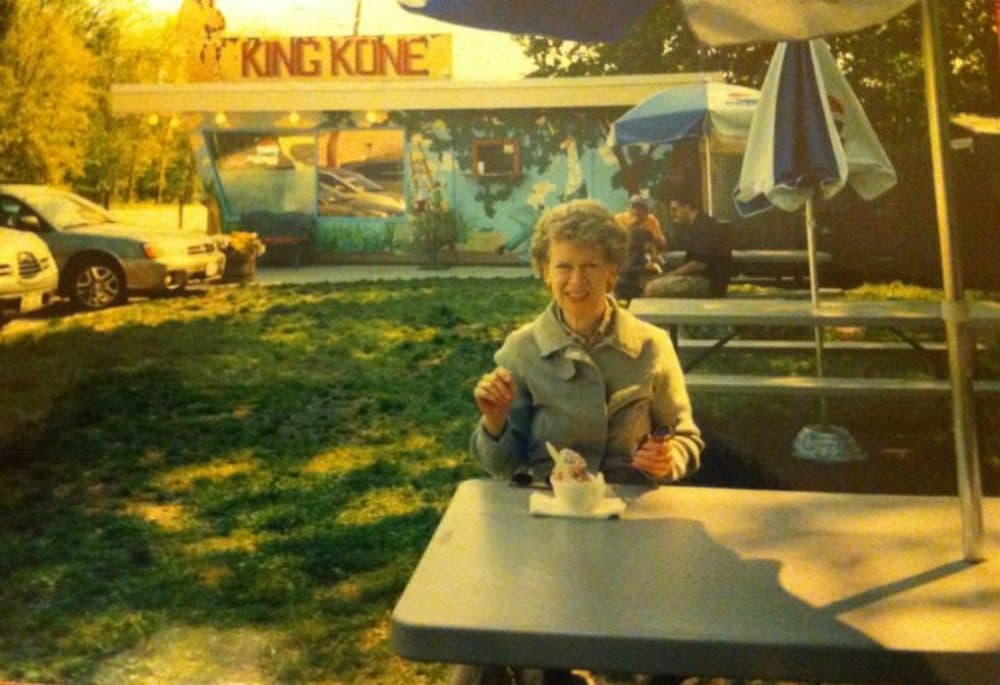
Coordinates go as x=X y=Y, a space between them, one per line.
x=638 y=214
x=645 y=241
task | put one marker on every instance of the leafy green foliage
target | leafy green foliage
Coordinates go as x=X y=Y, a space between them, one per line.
x=56 y=124
x=883 y=64
x=44 y=93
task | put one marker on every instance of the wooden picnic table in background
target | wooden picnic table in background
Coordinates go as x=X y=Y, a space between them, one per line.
x=898 y=317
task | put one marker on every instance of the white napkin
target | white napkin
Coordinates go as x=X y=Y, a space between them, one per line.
x=544 y=504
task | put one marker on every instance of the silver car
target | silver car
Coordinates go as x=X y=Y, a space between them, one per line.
x=28 y=274
x=102 y=261
x=347 y=193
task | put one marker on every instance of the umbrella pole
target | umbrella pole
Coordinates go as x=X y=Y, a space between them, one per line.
x=814 y=296
x=954 y=309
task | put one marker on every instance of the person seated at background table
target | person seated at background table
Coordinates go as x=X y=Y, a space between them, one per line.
x=645 y=242
x=638 y=215
x=585 y=374
x=708 y=258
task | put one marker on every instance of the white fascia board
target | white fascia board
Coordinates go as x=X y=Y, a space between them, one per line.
x=302 y=96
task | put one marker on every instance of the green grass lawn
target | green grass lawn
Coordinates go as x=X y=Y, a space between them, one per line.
x=236 y=484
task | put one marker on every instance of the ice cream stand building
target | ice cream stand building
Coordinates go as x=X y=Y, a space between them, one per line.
x=355 y=137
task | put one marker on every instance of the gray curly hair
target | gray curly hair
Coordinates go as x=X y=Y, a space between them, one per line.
x=582 y=222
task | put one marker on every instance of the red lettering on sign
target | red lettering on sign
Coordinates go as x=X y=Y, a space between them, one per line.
x=354 y=56
x=248 y=63
x=338 y=58
x=366 y=55
x=278 y=56
x=387 y=57
x=415 y=56
x=306 y=67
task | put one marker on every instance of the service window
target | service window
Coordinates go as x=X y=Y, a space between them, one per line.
x=491 y=158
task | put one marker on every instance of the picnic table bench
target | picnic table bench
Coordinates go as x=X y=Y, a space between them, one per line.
x=746 y=312
x=285 y=232
x=776 y=264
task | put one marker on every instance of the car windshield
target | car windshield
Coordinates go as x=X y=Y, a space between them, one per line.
x=361 y=180
x=351 y=180
x=67 y=212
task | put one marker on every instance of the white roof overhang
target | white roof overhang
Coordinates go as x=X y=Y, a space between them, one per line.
x=306 y=96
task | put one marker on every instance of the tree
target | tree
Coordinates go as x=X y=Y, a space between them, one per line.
x=128 y=46
x=56 y=124
x=884 y=66
x=45 y=91
x=882 y=63
x=6 y=16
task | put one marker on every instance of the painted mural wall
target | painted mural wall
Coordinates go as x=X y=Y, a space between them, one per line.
x=491 y=172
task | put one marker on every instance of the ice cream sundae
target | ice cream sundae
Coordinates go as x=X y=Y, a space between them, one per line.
x=574 y=486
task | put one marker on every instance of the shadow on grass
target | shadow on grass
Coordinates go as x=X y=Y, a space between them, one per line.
x=263 y=464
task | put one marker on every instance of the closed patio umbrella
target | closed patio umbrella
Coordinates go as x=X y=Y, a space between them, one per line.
x=810 y=135
x=726 y=22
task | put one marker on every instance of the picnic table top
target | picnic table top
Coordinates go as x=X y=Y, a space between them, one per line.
x=773 y=311
x=763 y=584
x=766 y=256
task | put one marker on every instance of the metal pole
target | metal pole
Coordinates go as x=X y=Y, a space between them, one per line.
x=814 y=296
x=954 y=308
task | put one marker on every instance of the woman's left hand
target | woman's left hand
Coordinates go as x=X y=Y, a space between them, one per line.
x=655 y=458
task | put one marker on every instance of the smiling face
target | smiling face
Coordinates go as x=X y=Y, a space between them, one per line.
x=579 y=277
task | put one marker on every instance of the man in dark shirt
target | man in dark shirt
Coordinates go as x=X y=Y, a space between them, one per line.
x=708 y=260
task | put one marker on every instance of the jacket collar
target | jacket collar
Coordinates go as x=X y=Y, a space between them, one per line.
x=550 y=336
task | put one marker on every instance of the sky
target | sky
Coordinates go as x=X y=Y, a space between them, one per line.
x=477 y=55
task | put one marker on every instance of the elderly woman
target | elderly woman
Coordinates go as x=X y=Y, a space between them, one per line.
x=585 y=374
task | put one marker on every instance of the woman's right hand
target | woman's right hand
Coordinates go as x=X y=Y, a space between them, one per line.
x=494 y=393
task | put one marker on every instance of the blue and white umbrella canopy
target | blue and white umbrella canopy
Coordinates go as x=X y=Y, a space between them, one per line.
x=694 y=110
x=809 y=135
x=716 y=22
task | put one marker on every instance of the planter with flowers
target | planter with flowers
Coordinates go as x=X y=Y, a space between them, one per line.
x=242 y=249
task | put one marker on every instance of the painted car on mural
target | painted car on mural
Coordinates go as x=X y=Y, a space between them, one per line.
x=28 y=274
x=102 y=261
x=343 y=192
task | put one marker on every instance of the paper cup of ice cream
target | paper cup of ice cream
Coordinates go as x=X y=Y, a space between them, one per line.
x=574 y=487
x=579 y=495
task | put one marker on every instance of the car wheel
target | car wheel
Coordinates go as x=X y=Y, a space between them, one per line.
x=96 y=284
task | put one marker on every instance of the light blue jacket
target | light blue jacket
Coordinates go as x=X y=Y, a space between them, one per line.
x=598 y=402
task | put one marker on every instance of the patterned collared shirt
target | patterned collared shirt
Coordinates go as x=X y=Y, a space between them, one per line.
x=604 y=328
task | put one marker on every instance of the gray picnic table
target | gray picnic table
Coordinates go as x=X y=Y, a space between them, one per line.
x=776 y=264
x=704 y=581
x=783 y=312
x=899 y=317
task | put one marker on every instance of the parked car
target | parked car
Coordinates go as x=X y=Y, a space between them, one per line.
x=347 y=193
x=265 y=154
x=28 y=273
x=386 y=171
x=102 y=261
